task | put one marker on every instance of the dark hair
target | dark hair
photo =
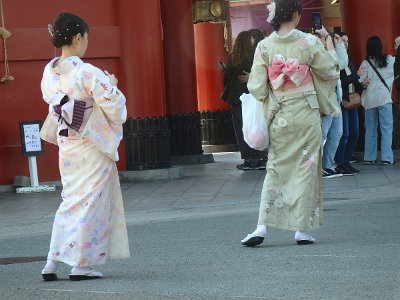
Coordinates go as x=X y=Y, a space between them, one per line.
x=374 y=50
x=284 y=12
x=257 y=34
x=242 y=49
x=65 y=27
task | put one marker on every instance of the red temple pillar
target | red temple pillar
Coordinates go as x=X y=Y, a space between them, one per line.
x=362 y=19
x=209 y=45
x=179 y=56
x=141 y=65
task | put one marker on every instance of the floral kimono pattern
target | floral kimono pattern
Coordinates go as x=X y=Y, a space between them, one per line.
x=89 y=226
x=285 y=74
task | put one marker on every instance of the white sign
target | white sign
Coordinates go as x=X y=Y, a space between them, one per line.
x=32 y=138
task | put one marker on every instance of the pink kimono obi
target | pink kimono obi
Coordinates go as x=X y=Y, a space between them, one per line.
x=289 y=76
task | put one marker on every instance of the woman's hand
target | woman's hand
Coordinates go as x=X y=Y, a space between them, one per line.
x=337 y=38
x=244 y=78
x=113 y=79
x=322 y=33
x=365 y=83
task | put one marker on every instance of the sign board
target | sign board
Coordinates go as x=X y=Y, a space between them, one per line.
x=32 y=145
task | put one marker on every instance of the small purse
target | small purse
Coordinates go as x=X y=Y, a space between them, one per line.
x=355 y=101
x=225 y=93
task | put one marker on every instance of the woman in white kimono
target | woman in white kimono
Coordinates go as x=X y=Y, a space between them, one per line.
x=86 y=113
x=295 y=77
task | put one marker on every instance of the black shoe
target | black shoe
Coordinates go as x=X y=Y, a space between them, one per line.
x=251 y=240
x=369 y=162
x=344 y=170
x=239 y=167
x=261 y=164
x=246 y=165
x=387 y=163
x=329 y=173
x=351 y=168
x=305 y=242
x=49 y=276
x=353 y=160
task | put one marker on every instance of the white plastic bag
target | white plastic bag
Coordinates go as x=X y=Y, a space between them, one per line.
x=255 y=129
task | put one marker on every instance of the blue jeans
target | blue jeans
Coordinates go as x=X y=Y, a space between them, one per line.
x=332 y=130
x=348 y=142
x=383 y=115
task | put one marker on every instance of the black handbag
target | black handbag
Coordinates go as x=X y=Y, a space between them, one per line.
x=225 y=93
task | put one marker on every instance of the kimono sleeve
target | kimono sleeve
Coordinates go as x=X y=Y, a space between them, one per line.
x=108 y=97
x=325 y=68
x=343 y=58
x=324 y=64
x=257 y=84
x=44 y=86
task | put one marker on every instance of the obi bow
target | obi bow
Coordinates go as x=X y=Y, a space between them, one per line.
x=282 y=71
x=65 y=112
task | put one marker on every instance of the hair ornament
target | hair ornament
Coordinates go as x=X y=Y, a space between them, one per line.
x=271 y=11
x=50 y=29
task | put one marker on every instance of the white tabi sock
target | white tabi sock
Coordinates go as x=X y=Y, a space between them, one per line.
x=303 y=236
x=261 y=230
x=51 y=267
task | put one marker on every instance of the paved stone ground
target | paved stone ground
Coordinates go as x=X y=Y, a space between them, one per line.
x=185 y=237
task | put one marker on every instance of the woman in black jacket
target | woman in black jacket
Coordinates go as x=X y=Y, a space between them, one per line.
x=348 y=141
x=397 y=67
x=235 y=77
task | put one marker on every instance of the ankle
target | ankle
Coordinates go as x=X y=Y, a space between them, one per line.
x=51 y=266
x=261 y=231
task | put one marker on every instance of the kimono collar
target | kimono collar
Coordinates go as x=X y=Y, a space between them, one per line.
x=294 y=35
x=66 y=65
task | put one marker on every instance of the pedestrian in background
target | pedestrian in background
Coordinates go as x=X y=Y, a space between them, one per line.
x=235 y=80
x=281 y=78
x=376 y=76
x=397 y=67
x=87 y=111
x=348 y=142
x=332 y=126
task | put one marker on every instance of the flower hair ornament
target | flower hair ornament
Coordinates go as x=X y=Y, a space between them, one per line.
x=271 y=11
x=50 y=29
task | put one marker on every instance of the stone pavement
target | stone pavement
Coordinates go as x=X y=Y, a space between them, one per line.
x=208 y=188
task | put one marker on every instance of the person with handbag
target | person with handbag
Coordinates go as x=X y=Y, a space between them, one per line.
x=332 y=126
x=235 y=81
x=350 y=103
x=292 y=74
x=397 y=68
x=376 y=76
x=87 y=111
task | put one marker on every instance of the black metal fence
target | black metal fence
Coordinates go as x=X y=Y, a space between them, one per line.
x=147 y=143
x=217 y=128
x=185 y=133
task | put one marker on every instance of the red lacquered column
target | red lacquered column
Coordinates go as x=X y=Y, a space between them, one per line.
x=209 y=45
x=365 y=18
x=179 y=56
x=141 y=64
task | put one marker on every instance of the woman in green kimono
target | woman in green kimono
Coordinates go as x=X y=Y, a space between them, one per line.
x=294 y=76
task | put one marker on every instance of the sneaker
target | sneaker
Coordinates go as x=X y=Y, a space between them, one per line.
x=261 y=164
x=352 y=169
x=329 y=173
x=344 y=170
x=239 y=167
x=247 y=165
x=353 y=160
x=369 y=162
x=387 y=163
